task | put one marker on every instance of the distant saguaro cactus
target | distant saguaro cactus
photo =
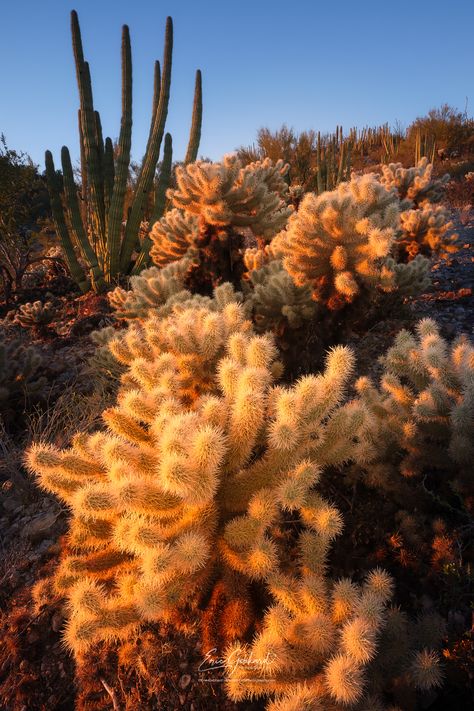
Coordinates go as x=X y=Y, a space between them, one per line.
x=91 y=224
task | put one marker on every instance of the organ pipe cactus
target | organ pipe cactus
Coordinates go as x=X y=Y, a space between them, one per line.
x=97 y=238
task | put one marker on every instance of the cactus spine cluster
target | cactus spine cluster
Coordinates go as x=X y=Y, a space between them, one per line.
x=91 y=227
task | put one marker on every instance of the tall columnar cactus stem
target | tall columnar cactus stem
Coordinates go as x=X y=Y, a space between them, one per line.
x=75 y=268
x=123 y=162
x=195 y=134
x=75 y=220
x=145 y=179
x=89 y=128
x=160 y=202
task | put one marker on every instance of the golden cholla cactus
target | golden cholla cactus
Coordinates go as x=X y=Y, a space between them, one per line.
x=275 y=300
x=201 y=454
x=328 y=644
x=414 y=185
x=338 y=241
x=173 y=236
x=227 y=194
x=151 y=289
x=426 y=230
x=424 y=407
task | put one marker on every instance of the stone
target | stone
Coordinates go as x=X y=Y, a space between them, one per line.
x=39 y=527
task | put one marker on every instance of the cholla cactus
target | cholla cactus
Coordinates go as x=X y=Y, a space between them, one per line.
x=217 y=203
x=173 y=236
x=276 y=301
x=151 y=290
x=414 y=185
x=330 y=644
x=425 y=405
x=102 y=363
x=425 y=231
x=337 y=242
x=412 y=278
x=19 y=365
x=36 y=315
x=226 y=194
x=199 y=435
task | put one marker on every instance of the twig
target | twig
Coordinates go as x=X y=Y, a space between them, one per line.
x=112 y=695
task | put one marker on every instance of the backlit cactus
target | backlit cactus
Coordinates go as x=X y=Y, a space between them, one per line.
x=423 y=410
x=199 y=436
x=414 y=185
x=337 y=242
x=427 y=231
x=36 y=315
x=216 y=205
x=276 y=302
x=330 y=644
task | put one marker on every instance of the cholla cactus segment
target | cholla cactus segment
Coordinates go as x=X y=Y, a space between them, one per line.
x=416 y=184
x=409 y=279
x=337 y=242
x=19 y=366
x=424 y=406
x=173 y=236
x=36 y=315
x=426 y=230
x=276 y=301
x=151 y=289
x=227 y=194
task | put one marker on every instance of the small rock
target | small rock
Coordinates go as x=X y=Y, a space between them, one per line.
x=10 y=504
x=40 y=526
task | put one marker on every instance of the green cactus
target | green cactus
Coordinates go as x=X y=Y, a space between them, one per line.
x=93 y=227
x=37 y=315
x=19 y=379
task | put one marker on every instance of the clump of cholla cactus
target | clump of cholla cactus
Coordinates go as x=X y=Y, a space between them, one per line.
x=19 y=376
x=337 y=242
x=423 y=412
x=425 y=227
x=37 y=316
x=426 y=230
x=199 y=435
x=415 y=184
x=203 y=460
x=215 y=204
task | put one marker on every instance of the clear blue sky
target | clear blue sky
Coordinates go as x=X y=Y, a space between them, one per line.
x=305 y=63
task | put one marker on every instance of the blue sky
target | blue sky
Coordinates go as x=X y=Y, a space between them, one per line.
x=264 y=63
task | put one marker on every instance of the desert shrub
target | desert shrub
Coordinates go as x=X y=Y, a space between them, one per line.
x=452 y=130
